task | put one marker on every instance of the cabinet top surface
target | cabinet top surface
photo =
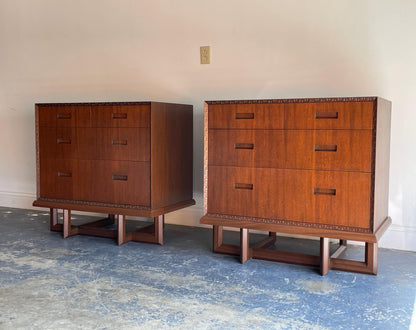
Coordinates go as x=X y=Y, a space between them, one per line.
x=103 y=103
x=299 y=100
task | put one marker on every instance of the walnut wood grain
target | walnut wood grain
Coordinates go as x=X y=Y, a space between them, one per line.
x=171 y=154
x=64 y=116
x=301 y=149
x=116 y=115
x=339 y=150
x=350 y=115
x=268 y=148
x=131 y=144
x=338 y=192
x=328 y=156
x=124 y=158
x=263 y=199
x=233 y=116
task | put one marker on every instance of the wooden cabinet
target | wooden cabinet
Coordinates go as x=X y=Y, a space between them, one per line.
x=132 y=158
x=314 y=167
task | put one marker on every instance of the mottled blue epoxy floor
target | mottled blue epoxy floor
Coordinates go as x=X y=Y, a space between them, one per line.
x=91 y=283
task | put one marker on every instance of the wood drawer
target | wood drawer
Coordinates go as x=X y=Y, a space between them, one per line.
x=131 y=144
x=115 y=182
x=250 y=148
x=329 y=115
x=57 y=177
x=120 y=116
x=64 y=115
x=245 y=191
x=96 y=181
x=57 y=142
x=249 y=116
x=347 y=150
x=325 y=197
x=123 y=144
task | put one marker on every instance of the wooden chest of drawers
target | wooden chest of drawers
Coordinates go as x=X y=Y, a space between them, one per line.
x=132 y=158
x=314 y=167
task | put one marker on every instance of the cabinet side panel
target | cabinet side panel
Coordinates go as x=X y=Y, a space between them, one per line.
x=382 y=162
x=37 y=152
x=206 y=139
x=171 y=154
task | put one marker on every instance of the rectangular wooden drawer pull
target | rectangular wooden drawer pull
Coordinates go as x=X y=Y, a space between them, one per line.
x=241 y=115
x=64 y=141
x=119 y=177
x=326 y=115
x=244 y=146
x=326 y=147
x=65 y=174
x=119 y=115
x=119 y=142
x=324 y=191
x=63 y=116
x=248 y=186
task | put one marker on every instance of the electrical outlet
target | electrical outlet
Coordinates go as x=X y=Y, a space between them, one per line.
x=205 y=54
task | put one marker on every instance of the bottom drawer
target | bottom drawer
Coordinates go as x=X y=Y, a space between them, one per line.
x=328 y=197
x=57 y=177
x=245 y=191
x=321 y=197
x=96 y=181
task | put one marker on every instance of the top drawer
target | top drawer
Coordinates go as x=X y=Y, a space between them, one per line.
x=120 y=115
x=248 y=116
x=329 y=115
x=64 y=115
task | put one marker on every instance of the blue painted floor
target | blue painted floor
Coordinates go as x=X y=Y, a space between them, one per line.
x=91 y=283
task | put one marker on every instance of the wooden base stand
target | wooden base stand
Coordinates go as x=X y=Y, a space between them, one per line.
x=369 y=266
x=325 y=261
x=149 y=234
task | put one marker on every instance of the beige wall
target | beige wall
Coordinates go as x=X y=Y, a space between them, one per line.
x=125 y=50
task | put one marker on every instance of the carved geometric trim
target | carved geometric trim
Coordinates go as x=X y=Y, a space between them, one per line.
x=290 y=223
x=92 y=103
x=120 y=206
x=304 y=100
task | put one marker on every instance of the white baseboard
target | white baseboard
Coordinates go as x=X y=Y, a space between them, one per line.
x=399 y=238
x=396 y=237
x=18 y=200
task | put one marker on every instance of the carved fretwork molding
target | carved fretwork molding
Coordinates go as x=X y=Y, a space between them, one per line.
x=305 y=100
x=290 y=223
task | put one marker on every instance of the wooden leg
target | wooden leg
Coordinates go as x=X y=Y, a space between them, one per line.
x=67 y=223
x=53 y=221
x=371 y=254
x=112 y=218
x=342 y=247
x=324 y=255
x=217 y=237
x=244 y=245
x=219 y=246
x=121 y=229
x=369 y=266
x=266 y=243
x=159 y=224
